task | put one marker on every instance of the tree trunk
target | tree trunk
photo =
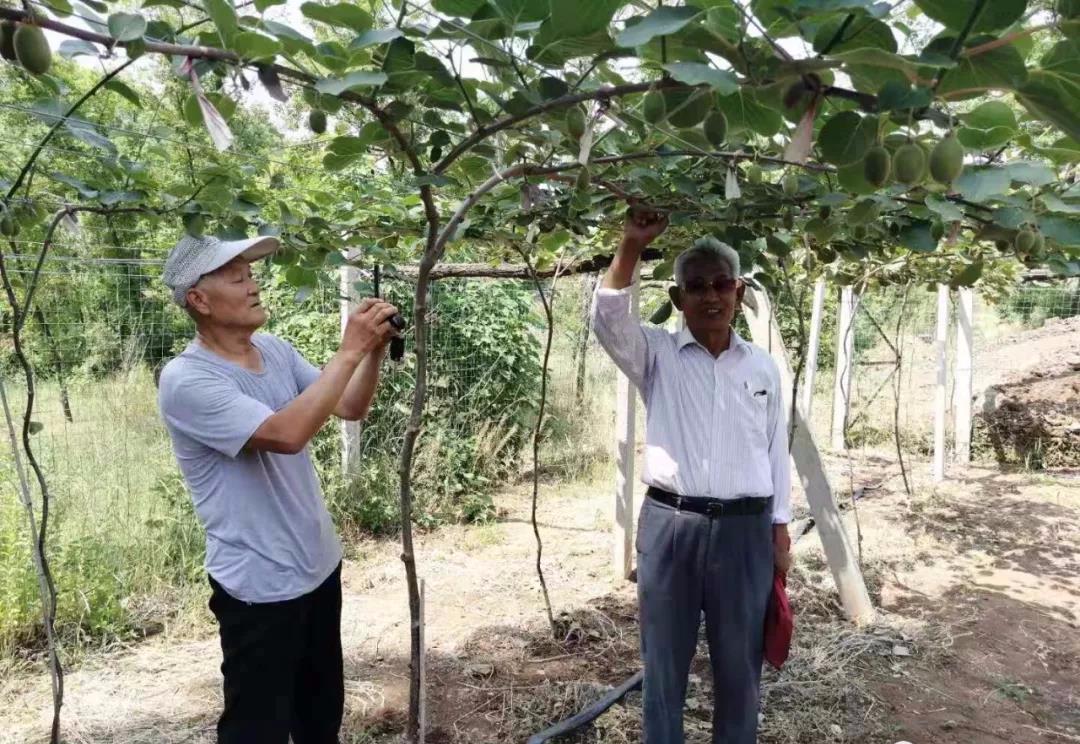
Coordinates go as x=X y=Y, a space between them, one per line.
x=581 y=348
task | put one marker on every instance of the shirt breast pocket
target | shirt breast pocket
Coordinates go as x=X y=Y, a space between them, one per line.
x=755 y=400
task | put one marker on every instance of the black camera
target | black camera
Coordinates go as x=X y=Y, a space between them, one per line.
x=397 y=343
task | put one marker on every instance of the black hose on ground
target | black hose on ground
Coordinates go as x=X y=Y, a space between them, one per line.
x=590 y=714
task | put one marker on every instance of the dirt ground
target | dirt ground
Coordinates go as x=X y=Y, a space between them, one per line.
x=978 y=581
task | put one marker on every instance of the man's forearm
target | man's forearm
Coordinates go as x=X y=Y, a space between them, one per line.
x=356 y=401
x=290 y=429
x=621 y=272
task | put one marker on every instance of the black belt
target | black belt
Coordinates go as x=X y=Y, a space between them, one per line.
x=742 y=507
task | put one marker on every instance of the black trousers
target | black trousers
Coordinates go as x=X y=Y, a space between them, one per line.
x=282 y=666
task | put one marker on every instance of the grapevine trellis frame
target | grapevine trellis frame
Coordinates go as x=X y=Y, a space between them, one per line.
x=573 y=142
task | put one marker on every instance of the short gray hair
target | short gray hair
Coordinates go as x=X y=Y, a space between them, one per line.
x=707 y=247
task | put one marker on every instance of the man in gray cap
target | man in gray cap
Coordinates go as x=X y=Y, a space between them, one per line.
x=241 y=408
x=714 y=524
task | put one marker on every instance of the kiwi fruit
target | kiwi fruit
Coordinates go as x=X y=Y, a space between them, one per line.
x=9 y=228
x=790 y=184
x=575 y=122
x=1024 y=241
x=753 y=175
x=584 y=180
x=317 y=121
x=824 y=211
x=1002 y=245
x=947 y=160
x=859 y=232
x=7 y=40
x=654 y=108
x=788 y=220
x=1040 y=243
x=662 y=313
x=716 y=128
x=877 y=166
x=909 y=164
x=32 y=49
x=937 y=230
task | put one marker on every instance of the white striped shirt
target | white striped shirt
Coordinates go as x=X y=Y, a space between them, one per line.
x=714 y=426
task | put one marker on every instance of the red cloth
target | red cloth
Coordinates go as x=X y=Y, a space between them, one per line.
x=779 y=622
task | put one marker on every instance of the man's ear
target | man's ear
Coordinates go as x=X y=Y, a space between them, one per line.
x=196 y=301
x=740 y=290
x=675 y=294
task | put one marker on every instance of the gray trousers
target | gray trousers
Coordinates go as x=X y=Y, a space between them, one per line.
x=688 y=563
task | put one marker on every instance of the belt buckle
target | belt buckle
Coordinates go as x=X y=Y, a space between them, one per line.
x=716 y=508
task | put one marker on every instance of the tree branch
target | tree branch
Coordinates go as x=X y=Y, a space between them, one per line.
x=59 y=122
x=959 y=43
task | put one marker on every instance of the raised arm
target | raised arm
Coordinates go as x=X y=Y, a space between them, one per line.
x=620 y=333
x=289 y=430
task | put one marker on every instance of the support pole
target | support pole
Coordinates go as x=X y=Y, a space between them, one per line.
x=423 y=663
x=625 y=439
x=940 y=340
x=965 y=308
x=845 y=359
x=812 y=351
x=842 y=559
x=350 y=430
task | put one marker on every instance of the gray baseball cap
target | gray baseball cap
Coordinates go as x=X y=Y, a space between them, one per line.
x=192 y=258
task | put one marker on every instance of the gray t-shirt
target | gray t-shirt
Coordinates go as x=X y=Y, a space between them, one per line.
x=269 y=536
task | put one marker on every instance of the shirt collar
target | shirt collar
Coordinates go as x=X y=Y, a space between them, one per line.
x=685 y=338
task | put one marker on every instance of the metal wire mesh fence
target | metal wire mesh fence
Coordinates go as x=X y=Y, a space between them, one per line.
x=1022 y=334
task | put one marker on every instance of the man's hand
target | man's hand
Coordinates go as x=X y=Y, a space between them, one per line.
x=368 y=327
x=781 y=548
x=642 y=226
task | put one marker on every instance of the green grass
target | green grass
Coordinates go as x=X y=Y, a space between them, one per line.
x=122 y=533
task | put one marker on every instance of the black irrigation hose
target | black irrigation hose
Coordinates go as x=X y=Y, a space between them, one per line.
x=590 y=714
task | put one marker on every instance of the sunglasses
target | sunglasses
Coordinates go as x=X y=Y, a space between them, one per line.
x=700 y=287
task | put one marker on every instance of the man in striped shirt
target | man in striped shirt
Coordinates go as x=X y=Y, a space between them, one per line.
x=714 y=522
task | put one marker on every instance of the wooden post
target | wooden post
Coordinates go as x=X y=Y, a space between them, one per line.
x=423 y=666
x=842 y=559
x=625 y=440
x=350 y=430
x=965 y=308
x=940 y=340
x=812 y=350
x=845 y=360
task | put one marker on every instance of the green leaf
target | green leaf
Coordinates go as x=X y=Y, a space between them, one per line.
x=1062 y=229
x=574 y=29
x=872 y=57
x=60 y=7
x=980 y=184
x=998 y=69
x=1030 y=172
x=846 y=137
x=694 y=73
x=918 y=237
x=109 y=198
x=897 y=96
x=660 y=22
x=990 y=115
x=1055 y=204
x=253 y=45
x=339 y=14
x=35 y=427
x=298 y=276
x=745 y=111
x=860 y=34
x=948 y=211
x=71 y=48
x=374 y=37
x=224 y=16
x=85 y=191
x=968 y=276
x=521 y=11
x=354 y=79
x=126 y=26
x=262 y=5
x=88 y=133
x=954 y=14
x=292 y=40
x=121 y=88
x=462 y=8
x=1052 y=98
